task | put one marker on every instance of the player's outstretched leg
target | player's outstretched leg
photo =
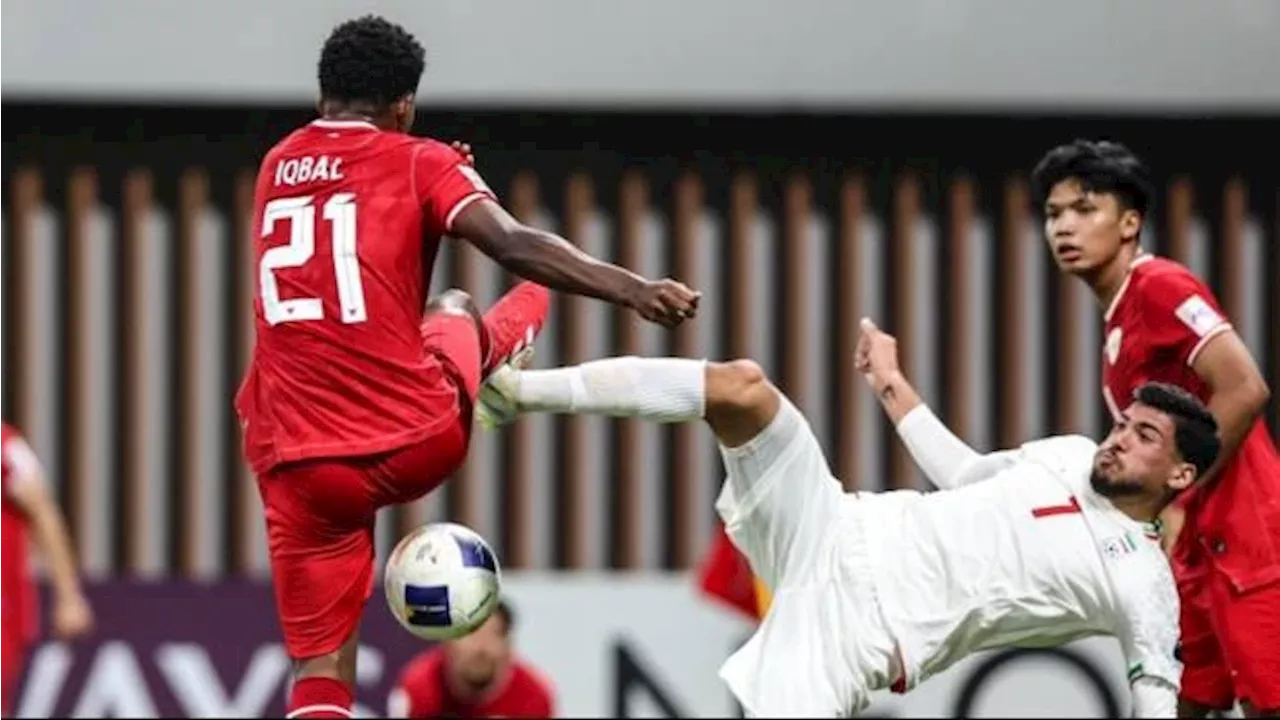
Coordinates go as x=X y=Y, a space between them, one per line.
x=513 y=323
x=482 y=343
x=779 y=500
x=735 y=398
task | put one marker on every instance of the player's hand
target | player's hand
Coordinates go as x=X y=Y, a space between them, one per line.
x=876 y=355
x=72 y=617
x=665 y=302
x=464 y=149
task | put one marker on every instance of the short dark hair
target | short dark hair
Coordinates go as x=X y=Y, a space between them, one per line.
x=504 y=611
x=1099 y=166
x=370 y=59
x=1195 y=431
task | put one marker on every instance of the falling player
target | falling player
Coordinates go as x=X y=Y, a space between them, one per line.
x=1162 y=323
x=29 y=507
x=476 y=676
x=1033 y=547
x=351 y=401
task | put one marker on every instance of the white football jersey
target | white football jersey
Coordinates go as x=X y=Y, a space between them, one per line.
x=1024 y=554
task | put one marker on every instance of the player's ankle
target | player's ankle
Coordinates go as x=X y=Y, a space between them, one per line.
x=320 y=697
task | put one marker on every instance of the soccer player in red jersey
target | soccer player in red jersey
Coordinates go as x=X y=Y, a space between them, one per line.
x=352 y=400
x=29 y=508
x=473 y=677
x=1163 y=324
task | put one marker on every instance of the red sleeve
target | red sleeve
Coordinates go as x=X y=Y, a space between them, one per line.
x=445 y=184
x=540 y=698
x=417 y=693
x=4 y=458
x=547 y=705
x=547 y=699
x=1180 y=314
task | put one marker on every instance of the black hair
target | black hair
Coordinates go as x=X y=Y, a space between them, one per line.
x=371 y=60
x=1195 y=431
x=504 y=611
x=1099 y=166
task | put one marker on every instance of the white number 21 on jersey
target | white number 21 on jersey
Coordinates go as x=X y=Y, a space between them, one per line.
x=300 y=213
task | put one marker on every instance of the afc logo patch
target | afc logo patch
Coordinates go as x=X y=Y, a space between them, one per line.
x=1117 y=547
x=1112 y=346
x=1196 y=313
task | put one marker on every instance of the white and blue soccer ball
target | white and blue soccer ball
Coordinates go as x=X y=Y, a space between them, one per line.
x=442 y=581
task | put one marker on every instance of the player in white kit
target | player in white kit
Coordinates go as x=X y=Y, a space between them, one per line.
x=1031 y=547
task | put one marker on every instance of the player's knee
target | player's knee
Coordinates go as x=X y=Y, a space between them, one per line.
x=736 y=383
x=455 y=301
x=740 y=400
x=460 y=302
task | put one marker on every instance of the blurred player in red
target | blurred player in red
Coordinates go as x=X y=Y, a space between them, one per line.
x=1163 y=324
x=353 y=401
x=29 y=507
x=725 y=575
x=473 y=677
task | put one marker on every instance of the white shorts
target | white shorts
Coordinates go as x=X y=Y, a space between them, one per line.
x=822 y=647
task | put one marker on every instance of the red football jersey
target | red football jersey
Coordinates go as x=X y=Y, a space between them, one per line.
x=18 y=593
x=347 y=221
x=1155 y=328
x=423 y=692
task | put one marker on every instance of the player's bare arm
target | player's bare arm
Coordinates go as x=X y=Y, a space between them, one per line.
x=1239 y=396
x=552 y=261
x=72 y=615
x=1239 y=392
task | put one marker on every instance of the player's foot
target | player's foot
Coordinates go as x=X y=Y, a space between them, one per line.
x=497 y=405
x=513 y=323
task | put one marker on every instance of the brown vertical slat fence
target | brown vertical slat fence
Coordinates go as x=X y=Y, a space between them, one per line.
x=766 y=228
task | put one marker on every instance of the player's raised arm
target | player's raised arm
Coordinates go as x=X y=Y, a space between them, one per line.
x=27 y=488
x=946 y=460
x=554 y=262
x=1184 y=318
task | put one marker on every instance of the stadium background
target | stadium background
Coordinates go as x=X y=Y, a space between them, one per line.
x=803 y=166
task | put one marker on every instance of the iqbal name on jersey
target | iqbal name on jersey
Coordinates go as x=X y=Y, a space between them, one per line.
x=299 y=171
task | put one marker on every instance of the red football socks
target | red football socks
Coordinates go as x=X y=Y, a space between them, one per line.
x=320 y=697
x=514 y=322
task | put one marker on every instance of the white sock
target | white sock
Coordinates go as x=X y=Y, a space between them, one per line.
x=658 y=389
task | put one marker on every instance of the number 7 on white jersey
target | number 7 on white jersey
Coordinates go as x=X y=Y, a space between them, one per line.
x=340 y=213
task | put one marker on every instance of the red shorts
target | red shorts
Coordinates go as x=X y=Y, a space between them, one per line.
x=1230 y=641
x=320 y=513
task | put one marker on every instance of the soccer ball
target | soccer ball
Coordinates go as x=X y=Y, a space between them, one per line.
x=442 y=581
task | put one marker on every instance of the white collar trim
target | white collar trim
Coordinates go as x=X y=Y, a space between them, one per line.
x=344 y=124
x=1115 y=302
